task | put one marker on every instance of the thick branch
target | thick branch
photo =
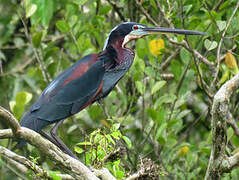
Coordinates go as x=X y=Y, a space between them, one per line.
x=104 y=174
x=23 y=164
x=230 y=163
x=77 y=169
x=218 y=162
x=6 y=133
x=10 y=119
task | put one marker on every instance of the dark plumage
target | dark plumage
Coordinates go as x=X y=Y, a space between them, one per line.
x=88 y=80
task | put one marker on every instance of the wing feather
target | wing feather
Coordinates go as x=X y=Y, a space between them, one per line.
x=60 y=100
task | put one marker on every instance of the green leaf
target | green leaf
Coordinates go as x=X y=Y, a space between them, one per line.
x=110 y=139
x=157 y=86
x=185 y=55
x=116 y=135
x=176 y=68
x=183 y=113
x=18 y=106
x=230 y=133
x=187 y=8
x=120 y=174
x=98 y=138
x=104 y=10
x=210 y=45
x=30 y=10
x=54 y=176
x=36 y=40
x=161 y=130
x=173 y=122
x=153 y=4
x=167 y=98
x=141 y=48
x=78 y=150
x=51 y=52
x=161 y=140
x=149 y=71
x=152 y=113
x=44 y=12
x=127 y=140
x=84 y=143
x=116 y=126
x=206 y=150
x=63 y=26
x=156 y=115
x=180 y=38
x=140 y=87
x=225 y=76
x=23 y=97
x=139 y=64
x=12 y=104
x=95 y=112
x=221 y=25
x=47 y=11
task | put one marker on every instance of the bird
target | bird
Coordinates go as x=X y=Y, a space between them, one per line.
x=88 y=80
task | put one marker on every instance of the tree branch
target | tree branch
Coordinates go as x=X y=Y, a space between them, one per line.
x=10 y=119
x=104 y=174
x=74 y=167
x=199 y=56
x=218 y=162
x=45 y=74
x=232 y=122
x=22 y=164
x=6 y=133
x=230 y=163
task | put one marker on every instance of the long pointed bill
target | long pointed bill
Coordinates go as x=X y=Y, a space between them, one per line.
x=158 y=30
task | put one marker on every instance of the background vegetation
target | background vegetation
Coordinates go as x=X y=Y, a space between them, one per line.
x=160 y=110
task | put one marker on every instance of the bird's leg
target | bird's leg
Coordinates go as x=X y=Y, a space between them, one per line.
x=63 y=147
x=45 y=135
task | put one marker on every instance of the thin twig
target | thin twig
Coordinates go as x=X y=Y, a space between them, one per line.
x=232 y=122
x=45 y=74
x=163 y=15
x=165 y=64
x=202 y=58
x=145 y=13
x=117 y=10
x=19 y=68
x=177 y=89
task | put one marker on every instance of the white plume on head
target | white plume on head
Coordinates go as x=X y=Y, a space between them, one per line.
x=107 y=39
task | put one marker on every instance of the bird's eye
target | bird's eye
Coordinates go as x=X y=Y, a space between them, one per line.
x=135 y=27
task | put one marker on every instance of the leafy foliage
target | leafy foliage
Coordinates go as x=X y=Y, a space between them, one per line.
x=101 y=150
x=148 y=115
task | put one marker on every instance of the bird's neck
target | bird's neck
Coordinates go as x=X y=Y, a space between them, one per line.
x=115 y=55
x=119 y=51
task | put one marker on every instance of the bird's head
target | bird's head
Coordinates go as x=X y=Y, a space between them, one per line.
x=128 y=31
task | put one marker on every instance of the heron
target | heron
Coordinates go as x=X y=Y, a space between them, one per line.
x=88 y=80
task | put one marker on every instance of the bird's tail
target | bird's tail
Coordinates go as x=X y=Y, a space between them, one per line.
x=29 y=120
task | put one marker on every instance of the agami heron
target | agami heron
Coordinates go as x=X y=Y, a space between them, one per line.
x=88 y=80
